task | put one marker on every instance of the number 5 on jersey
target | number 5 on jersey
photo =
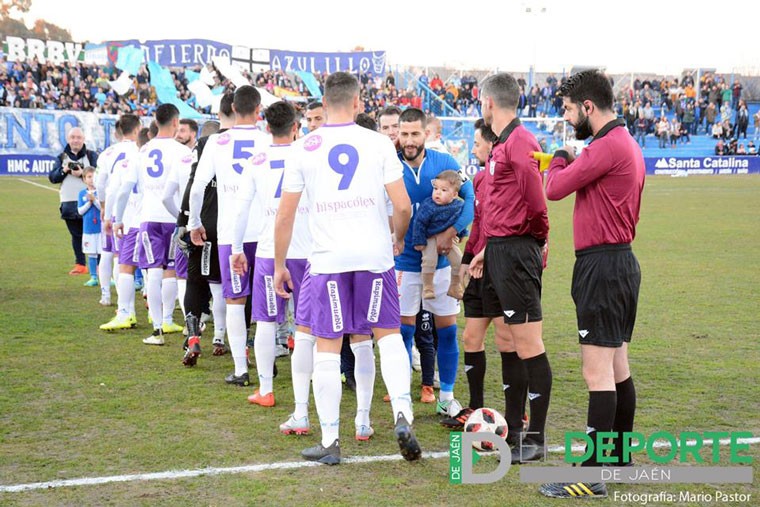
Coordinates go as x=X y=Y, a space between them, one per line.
x=239 y=152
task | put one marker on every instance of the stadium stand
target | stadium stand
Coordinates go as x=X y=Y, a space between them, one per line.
x=85 y=87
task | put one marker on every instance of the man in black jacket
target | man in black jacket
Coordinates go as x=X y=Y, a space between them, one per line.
x=68 y=172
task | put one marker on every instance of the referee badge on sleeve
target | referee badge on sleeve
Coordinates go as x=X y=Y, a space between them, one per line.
x=491 y=167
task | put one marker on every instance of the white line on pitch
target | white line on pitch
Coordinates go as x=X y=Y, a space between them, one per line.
x=181 y=474
x=38 y=185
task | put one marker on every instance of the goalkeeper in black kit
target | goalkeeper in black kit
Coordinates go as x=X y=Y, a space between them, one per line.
x=203 y=277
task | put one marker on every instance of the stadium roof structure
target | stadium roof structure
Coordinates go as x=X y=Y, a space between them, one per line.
x=695 y=69
x=580 y=68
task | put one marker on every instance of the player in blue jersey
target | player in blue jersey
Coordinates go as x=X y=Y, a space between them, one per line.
x=421 y=166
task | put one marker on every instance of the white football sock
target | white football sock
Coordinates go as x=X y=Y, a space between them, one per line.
x=125 y=292
x=263 y=346
x=394 y=365
x=181 y=290
x=105 y=267
x=364 y=374
x=169 y=299
x=116 y=272
x=219 y=309
x=301 y=368
x=153 y=278
x=327 y=393
x=236 y=334
x=445 y=396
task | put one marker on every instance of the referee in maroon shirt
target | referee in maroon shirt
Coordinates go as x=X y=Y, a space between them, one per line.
x=516 y=225
x=608 y=179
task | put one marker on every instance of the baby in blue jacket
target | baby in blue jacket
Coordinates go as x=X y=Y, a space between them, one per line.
x=436 y=214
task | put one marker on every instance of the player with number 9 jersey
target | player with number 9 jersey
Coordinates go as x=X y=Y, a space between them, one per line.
x=344 y=170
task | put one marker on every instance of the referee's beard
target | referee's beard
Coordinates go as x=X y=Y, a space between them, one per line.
x=583 y=128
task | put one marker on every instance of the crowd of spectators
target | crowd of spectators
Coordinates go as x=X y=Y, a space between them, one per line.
x=672 y=111
x=667 y=109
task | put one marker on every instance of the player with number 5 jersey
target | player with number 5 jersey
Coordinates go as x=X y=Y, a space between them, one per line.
x=224 y=156
x=345 y=170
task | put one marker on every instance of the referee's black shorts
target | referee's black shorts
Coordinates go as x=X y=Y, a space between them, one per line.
x=475 y=305
x=606 y=281
x=513 y=269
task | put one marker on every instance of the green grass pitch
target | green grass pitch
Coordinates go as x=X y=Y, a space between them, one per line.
x=77 y=402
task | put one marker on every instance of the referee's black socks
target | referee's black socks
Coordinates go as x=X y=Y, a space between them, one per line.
x=625 y=411
x=539 y=394
x=475 y=368
x=601 y=416
x=514 y=378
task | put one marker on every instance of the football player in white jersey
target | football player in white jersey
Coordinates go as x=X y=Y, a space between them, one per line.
x=159 y=158
x=224 y=156
x=107 y=269
x=262 y=180
x=345 y=171
x=174 y=189
x=126 y=228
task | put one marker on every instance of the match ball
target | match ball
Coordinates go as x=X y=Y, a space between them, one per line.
x=486 y=420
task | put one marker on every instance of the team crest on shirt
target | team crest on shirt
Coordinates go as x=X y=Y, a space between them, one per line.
x=312 y=143
x=124 y=164
x=492 y=167
x=259 y=159
x=223 y=138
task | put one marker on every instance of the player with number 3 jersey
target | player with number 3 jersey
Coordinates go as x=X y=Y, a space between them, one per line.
x=159 y=158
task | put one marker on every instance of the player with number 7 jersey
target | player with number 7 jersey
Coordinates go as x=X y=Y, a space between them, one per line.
x=262 y=180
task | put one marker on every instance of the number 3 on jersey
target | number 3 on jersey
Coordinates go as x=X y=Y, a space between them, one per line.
x=344 y=159
x=157 y=169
